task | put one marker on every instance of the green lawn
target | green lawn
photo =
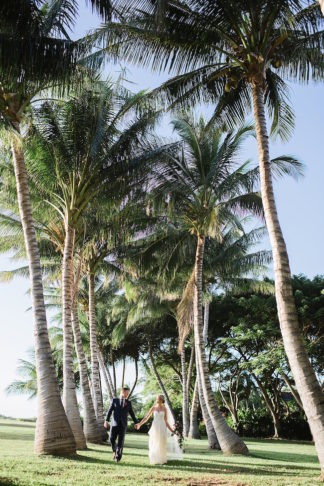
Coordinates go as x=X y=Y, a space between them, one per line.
x=270 y=463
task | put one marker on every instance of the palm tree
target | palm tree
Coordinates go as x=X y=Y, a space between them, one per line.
x=91 y=429
x=203 y=186
x=86 y=152
x=242 y=52
x=32 y=60
x=29 y=63
x=321 y=2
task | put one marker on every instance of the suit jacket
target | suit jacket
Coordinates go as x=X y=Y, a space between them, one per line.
x=119 y=413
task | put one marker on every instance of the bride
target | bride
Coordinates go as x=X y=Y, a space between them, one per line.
x=163 y=444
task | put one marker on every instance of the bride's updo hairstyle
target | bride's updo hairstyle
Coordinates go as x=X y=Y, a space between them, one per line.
x=161 y=397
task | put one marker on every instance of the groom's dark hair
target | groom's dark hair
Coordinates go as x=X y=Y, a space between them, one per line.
x=125 y=388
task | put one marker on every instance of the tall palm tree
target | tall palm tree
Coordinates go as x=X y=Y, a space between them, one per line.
x=29 y=63
x=91 y=429
x=34 y=59
x=80 y=149
x=206 y=191
x=242 y=52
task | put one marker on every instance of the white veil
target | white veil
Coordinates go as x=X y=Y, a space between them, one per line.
x=174 y=451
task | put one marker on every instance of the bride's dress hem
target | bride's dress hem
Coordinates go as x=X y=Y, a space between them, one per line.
x=161 y=443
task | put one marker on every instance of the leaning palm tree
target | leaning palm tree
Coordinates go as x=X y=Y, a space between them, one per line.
x=242 y=51
x=207 y=189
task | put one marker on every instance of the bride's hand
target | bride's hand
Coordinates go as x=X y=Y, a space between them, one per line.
x=137 y=426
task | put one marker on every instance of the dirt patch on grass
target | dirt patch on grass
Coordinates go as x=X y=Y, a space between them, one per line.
x=213 y=482
x=204 y=481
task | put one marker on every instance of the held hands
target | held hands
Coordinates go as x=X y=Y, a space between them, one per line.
x=137 y=426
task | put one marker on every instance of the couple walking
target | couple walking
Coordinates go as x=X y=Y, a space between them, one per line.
x=163 y=444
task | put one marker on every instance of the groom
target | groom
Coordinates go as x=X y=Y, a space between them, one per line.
x=120 y=408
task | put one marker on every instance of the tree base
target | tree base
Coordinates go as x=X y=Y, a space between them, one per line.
x=54 y=438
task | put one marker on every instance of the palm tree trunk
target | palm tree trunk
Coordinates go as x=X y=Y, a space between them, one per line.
x=160 y=382
x=90 y=425
x=308 y=388
x=321 y=2
x=194 y=425
x=210 y=430
x=123 y=372
x=190 y=369
x=69 y=394
x=53 y=432
x=211 y=434
x=114 y=370
x=185 y=398
x=136 y=378
x=229 y=442
x=107 y=378
x=95 y=377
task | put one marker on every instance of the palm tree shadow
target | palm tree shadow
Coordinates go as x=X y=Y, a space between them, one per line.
x=186 y=466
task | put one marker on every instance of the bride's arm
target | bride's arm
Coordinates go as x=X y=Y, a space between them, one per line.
x=166 y=422
x=145 y=419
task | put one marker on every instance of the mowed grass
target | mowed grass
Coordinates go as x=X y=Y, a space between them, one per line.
x=270 y=463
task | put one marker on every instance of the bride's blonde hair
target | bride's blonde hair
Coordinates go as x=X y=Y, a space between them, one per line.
x=161 y=397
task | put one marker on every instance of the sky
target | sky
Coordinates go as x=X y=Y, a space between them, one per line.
x=300 y=206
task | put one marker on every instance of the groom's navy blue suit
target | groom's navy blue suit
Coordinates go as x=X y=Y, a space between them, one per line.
x=119 y=409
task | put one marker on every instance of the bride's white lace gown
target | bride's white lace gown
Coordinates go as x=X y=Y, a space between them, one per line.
x=162 y=445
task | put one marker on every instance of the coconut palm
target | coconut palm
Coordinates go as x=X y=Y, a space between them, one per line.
x=243 y=52
x=29 y=63
x=36 y=55
x=206 y=190
x=79 y=150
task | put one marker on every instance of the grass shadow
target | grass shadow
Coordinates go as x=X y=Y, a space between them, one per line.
x=285 y=457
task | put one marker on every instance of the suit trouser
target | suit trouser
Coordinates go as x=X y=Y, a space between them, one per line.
x=117 y=431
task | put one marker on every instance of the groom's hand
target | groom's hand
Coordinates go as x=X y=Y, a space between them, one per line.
x=106 y=425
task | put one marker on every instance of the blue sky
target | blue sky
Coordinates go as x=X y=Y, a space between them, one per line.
x=300 y=205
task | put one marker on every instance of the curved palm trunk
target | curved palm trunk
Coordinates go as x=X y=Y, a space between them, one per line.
x=114 y=371
x=190 y=370
x=185 y=398
x=136 y=378
x=210 y=430
x=229 y=442
x=309 y=390
x=106 y=375
x=90 y=425
x=53 y=432
x=194 y=425
x=211 y=434
x=160 y=382
x=69 y=394
x=95 y=376
x=123 y=372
